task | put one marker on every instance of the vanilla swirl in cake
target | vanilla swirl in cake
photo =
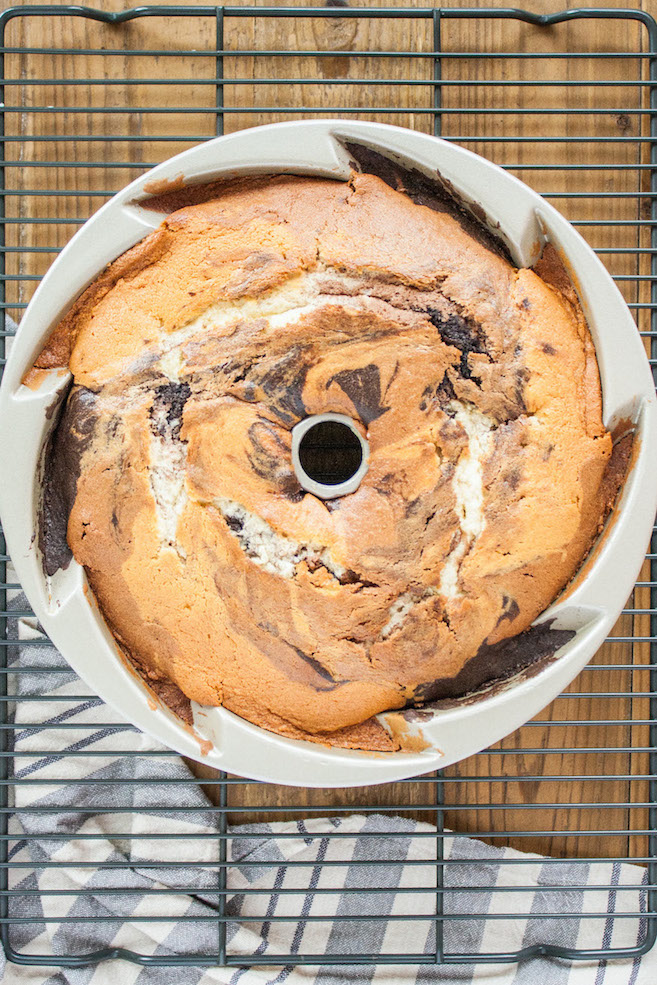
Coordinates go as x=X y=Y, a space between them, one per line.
x=170 y=475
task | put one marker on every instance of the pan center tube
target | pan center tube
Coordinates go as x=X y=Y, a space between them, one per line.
x=329 y=454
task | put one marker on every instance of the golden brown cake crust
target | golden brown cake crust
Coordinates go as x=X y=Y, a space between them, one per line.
x=197 y=351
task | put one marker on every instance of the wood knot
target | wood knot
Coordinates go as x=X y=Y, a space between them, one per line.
x=335 y=34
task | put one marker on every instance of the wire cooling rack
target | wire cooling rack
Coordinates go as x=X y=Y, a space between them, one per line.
x=566 y=101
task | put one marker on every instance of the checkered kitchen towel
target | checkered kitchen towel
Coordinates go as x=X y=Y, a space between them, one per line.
x=261 y=860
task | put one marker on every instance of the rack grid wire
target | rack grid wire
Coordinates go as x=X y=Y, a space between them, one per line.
x=568 y=102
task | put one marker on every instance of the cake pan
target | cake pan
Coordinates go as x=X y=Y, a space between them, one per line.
x=589 y=606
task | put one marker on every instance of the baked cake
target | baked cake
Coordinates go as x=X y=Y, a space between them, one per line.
x=255 y=304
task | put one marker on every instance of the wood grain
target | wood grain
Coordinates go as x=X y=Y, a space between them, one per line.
x=526 y=783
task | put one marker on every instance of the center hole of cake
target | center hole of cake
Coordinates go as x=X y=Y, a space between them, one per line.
x=329 y=455
x=330 y=452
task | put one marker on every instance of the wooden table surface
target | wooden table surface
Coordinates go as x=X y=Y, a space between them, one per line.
x=532 y=776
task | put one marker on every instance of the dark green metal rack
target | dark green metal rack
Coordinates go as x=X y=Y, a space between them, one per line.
x=429 y=111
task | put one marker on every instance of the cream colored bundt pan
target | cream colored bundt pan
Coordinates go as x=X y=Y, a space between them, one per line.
x=590 y=605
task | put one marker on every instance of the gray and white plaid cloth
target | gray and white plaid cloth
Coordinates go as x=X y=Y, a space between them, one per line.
x=261 y=857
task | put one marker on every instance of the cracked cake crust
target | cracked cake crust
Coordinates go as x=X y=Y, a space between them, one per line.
x=194 y=355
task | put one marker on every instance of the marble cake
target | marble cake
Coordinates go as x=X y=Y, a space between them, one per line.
x=169 y=477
